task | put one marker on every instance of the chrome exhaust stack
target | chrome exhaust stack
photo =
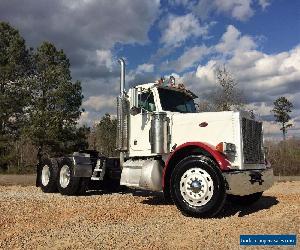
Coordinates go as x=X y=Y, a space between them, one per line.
x=122 y=116
x=122 y=76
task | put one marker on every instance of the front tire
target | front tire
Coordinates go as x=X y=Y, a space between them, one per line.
x=245 y=200
x=198 y=187
x=47 y=175
x=67 y=183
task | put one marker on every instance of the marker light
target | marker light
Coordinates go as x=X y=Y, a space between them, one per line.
x=219 y=147
x=226 y=148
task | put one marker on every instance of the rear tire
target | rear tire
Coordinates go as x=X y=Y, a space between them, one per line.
x=47 y=175
x=245 y=200
x=68 y=184
x=198 y=187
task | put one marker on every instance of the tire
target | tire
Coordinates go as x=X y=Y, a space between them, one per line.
x=198 y=187
x=245 y=200
x=68 y=184
x=168 y=197
x=47 y=175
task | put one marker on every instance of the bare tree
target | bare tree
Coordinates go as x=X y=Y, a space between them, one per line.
x=226 y=97
x=103 y=136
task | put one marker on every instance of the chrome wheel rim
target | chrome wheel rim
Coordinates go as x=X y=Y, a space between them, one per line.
x=196 y=187
x=64 y=176
x=45 y=175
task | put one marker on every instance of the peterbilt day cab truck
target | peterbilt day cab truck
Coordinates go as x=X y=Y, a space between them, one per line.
x=195 y=159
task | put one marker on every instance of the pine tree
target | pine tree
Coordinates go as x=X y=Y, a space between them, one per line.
x=55 y=101
x=281 y=110
x=15 y=68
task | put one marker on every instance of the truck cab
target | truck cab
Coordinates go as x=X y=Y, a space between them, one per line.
x=154 y=98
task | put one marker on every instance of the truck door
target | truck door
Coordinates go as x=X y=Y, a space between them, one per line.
x=140 y=125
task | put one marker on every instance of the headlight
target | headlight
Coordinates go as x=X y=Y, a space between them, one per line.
x=230 y=148
x=226 y=148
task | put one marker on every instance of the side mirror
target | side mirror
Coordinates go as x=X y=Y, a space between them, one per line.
x=134 y=98
x=135 y=110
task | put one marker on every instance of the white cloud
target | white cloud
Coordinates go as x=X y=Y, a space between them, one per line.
x=104 y=57
x=233 y=42
x=146 y=68
x=264 y=3
x=98 y=103
x=189 y=58
x=268 y=72
x=238 y=9
x=207 y=73
x=260 y=109
x=177 y=29
x=252 y=68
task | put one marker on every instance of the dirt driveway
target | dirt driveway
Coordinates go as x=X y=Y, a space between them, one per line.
x=135 y=219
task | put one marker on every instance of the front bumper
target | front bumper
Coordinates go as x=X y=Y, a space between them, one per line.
x=248 y=181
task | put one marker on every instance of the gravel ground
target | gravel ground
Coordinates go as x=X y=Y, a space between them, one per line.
x=136 y=219
x=14 y=179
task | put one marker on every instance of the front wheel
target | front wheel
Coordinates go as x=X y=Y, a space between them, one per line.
x=198 y=187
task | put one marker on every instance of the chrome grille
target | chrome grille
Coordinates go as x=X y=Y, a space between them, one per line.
x=252 y=141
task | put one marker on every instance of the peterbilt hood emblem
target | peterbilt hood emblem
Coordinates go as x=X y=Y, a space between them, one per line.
x=203 y=124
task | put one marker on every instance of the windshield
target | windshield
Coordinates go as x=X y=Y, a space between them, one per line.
x=176 y=101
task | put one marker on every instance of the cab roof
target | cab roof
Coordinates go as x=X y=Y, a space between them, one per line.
x=178 y=88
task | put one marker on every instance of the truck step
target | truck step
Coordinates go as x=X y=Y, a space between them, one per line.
x=98 y=170
x=93 y=178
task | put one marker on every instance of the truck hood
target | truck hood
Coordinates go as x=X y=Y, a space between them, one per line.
x=209 y=127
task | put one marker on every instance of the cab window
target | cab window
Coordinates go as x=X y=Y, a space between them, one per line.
x=146 y=101
x=175 y=101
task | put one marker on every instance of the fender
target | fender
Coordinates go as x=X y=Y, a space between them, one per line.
x=221 y=160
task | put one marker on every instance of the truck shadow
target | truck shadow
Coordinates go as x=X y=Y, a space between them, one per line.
x=265 y=202
x=230 y=209
x=126 y=190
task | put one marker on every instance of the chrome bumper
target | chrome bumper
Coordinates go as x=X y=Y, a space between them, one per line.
x=248 y=181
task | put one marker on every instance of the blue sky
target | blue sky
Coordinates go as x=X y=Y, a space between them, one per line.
x=277 y=27
x=258 y=40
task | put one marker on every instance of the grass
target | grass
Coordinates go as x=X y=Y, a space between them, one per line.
x=19 y=170
x=285 y=157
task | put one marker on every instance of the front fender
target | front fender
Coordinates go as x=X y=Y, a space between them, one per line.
x=183 y=150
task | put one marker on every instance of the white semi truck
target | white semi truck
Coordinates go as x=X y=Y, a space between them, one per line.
x=196 y=159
